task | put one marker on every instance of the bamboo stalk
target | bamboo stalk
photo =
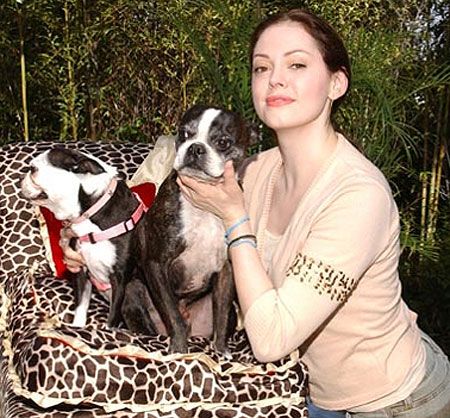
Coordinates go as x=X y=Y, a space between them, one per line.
x=432 y=193
x=23 y=76
x=70 y=75
x=89 y=102
x=442 y=133
x=424 y=177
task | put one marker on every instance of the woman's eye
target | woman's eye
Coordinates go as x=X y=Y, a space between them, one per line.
x=259 y=68
x=297 y=65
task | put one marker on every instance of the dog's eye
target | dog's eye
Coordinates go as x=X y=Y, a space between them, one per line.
x=224 y=143
x=184 y=134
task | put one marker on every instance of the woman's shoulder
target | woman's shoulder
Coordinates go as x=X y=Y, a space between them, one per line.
x=257 y=164
x=356 y=167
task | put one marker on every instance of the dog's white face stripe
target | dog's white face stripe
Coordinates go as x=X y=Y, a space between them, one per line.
x=205 y=123
x=215 y=163
x=59 y=185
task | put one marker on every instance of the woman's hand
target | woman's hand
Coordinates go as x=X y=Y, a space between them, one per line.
x=223 y=198
x=72 y=259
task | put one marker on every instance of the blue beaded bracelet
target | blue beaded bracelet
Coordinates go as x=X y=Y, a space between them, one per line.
x=235 y=225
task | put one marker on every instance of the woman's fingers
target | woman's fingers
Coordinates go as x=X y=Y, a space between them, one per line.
x=228 y=173
x=72 y=259
x=224 y=197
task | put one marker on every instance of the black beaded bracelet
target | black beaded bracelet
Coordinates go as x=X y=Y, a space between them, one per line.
x=248 y=238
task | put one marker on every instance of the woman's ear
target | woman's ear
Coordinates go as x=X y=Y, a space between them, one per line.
x=338 y=85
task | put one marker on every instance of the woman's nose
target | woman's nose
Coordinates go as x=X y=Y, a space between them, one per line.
x=277 y=78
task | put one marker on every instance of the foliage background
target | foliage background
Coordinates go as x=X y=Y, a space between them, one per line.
x=108 y=70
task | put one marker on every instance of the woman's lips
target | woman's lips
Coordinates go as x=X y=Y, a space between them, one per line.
x=275 y=101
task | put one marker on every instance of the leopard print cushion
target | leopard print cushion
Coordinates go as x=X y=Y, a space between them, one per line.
x=51 y=369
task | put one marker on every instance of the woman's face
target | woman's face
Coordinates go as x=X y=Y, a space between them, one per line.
x=291 y=84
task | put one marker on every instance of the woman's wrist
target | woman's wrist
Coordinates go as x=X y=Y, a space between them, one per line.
x=248 y=239
x=232 y=217
x=237 y=226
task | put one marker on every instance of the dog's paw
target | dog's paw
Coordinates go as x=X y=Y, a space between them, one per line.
x=178 y=345
x=79 y=321
x=226 y=354
x=223 y=350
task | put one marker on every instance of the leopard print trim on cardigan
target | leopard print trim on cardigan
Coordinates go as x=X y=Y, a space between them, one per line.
x=322 y=277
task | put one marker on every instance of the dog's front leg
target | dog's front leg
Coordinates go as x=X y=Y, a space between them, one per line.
x=117 y=296
x=136 y=308
x=166 y=304
x=83 y=291
x=224 y=316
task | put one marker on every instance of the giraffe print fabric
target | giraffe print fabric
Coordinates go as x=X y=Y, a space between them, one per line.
x=49 y=368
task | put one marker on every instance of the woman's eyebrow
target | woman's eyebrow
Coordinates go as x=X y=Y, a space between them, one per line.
x=294 y=51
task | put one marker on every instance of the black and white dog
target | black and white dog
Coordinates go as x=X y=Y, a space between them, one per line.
x=104 y=215
x=176 y=254
x=186 y=249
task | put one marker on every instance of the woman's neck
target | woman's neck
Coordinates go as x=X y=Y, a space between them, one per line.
x=303 y=154
x=303 y=151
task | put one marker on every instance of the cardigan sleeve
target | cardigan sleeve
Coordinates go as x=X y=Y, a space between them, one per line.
x=345 y=239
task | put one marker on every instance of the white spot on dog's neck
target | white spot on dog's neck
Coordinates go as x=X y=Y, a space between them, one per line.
x=95 y=185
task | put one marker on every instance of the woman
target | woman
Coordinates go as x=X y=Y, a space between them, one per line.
x=314 y=240
x=321 y=272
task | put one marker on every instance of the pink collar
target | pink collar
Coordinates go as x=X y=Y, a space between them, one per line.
x=98 y=204
x=118 y=229
x=114 y=231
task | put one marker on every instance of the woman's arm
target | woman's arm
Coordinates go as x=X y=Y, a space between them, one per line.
x=345 y=240
x=342 y=245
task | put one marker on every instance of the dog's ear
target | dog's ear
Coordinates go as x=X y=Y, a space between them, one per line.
x=74 y=161
x=87 y=166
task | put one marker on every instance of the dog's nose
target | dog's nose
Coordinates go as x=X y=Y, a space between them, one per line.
x=196 y=149
x=33 y=169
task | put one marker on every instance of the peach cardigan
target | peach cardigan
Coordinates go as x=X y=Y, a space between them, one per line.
x=337 y=294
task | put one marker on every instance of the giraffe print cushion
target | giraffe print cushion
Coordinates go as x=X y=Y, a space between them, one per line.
x=54 y=370
x=51 y=363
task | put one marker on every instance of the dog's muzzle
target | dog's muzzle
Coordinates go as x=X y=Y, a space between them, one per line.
x=31 y=190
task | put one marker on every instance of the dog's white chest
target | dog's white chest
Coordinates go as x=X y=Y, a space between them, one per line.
x=205 y=250
x=99 y=257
